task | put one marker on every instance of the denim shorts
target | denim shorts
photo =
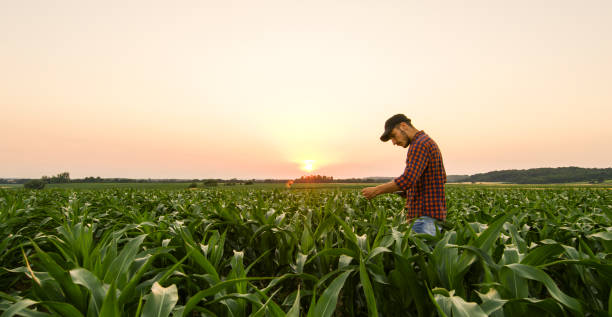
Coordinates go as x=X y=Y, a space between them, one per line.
x=425 y=224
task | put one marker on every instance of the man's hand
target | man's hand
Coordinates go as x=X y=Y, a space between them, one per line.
x=370 y=192
x=401 y=193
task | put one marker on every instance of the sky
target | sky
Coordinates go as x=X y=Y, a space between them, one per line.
x=254 y=89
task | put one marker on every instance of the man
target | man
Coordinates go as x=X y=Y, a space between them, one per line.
x=423 y=178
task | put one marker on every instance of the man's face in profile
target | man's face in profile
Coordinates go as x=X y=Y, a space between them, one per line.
x=399 y=137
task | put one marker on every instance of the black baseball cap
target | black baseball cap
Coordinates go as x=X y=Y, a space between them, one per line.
x=391 y=123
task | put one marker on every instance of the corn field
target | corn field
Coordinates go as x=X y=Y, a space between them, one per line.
x=273 y=252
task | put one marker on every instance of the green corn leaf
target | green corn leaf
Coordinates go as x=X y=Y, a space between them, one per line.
x=290 y=299
x=63 y=309
x=449 y=266
x=120 y=265
x=271 y=307
x=377 y=251
x=264 y=254
x=253 y=298
x=26 y=312
x=584 y=247
x=610 y=303
x=264 y=308
x=362 y=242
x=443 y=311
x=324 y=226
x=172 y=269
x=18 y=307
x=518 y=241
x=295 y=308
x=344 y=261
x=62 y=277
x=110 y=306
x=377 y=273
x=260 y=230
x=94 y=286
x=604 y=235
x=491 y=301
x=409 y=281
x=347 y=230
x=238 y=270
x=203 y=262
x=233 y=307
x=542 y=254
x=455 y=305
x=510 y=255
x=161 y=301
x=380 y=234
x=139 y=308
x=397 y=237
x=333 y=252
x=486 y=258
x=461 y=308
x=514 y=284
x=419 y=243
x=128 y=290
x=533 y=273
x=549 y=305
x=217 y=255
x=196 y=298
x=486 y=238
x=313 y=304
x=367 y=288
x=307 y=242
x=285 y=276
x=299 y=262
x=326 y=305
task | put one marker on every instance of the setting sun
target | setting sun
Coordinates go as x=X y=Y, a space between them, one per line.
x=308 y=165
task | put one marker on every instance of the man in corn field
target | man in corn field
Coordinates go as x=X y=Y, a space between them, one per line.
x=423 y=179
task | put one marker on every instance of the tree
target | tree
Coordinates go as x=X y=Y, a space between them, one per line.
x=35 y=184
x=59 y=178
x=210 y=183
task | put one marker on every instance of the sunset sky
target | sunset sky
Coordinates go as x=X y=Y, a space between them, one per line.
x=253 y=89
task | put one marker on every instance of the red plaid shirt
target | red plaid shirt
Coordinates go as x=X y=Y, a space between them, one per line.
x=423 y=179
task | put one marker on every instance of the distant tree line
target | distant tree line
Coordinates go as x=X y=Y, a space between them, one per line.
x=14 y=180
x=330 y=179
x=65 y=178
x=544 y=175
x=314 y=179
x=57 y=179
x=364 y=180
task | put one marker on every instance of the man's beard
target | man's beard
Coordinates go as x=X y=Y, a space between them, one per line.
x=407 y=138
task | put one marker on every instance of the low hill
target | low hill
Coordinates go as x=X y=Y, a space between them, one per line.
x=456 y=178
x=543 y=175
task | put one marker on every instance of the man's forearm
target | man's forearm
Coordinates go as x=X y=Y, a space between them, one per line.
x=385 y=188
